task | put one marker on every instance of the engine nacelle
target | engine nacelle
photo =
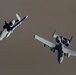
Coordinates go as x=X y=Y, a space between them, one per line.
x=58 y=40
x=68 y=55
x=67 y=43
x=11 y=23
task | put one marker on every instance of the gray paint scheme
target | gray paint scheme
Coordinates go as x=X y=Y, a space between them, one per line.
x=60 y=47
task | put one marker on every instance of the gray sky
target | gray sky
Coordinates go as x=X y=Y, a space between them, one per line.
x=21 y=54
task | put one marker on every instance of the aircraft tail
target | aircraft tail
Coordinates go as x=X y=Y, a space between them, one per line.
x=18 y=17
x=71 y=39
x=53 y=33
x=5 y=22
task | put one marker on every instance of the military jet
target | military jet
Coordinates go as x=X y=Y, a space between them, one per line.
x=8 y=28
x=59 y=46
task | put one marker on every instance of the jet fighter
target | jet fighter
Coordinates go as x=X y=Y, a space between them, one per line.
x=60 y=46
x=8 y=28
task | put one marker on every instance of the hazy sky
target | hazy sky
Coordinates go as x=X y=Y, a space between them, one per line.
x=21 y=54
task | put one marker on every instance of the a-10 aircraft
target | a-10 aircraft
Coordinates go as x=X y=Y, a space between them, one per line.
x=60 y=46
x=8 y=28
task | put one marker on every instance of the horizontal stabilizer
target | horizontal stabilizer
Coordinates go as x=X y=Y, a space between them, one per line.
x=71 y=39
x=54 y=33
x=18 y=17
x=27 y=16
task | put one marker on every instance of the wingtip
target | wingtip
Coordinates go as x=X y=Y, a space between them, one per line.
x=17 y=14
x=34 y=35
x=27 y=16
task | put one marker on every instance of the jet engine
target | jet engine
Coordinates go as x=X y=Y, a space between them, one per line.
x=67 y=43
x=58 y=40
x=12 y=22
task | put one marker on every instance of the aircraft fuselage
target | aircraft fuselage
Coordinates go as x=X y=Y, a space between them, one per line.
x=60 y=53
x=3 y=33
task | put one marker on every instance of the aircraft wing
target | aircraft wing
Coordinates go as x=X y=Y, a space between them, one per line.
x=46 y=42
x=71 y=52
x=18 y=23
